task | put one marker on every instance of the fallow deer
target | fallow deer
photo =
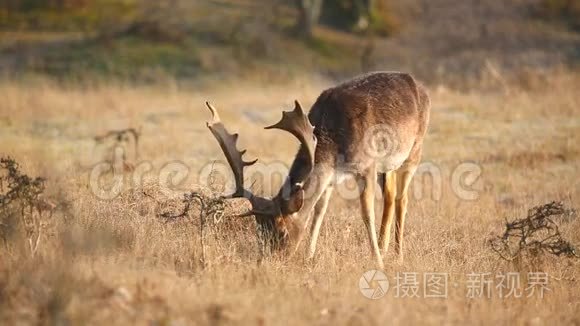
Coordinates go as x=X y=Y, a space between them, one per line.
x=339 y=137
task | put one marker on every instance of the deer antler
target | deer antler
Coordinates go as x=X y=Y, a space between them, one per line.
x=227 y=142
x=297 y=123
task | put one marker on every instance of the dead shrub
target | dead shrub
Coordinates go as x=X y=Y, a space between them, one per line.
x=535 y=235
x=216 y=221
x=22 y=205
x=117 y=144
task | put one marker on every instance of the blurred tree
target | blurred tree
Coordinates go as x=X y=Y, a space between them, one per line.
x=373 y=16
x=567 y=11
x=158 y=21
x=29 y=5
x=64 y=15
x=308 y=15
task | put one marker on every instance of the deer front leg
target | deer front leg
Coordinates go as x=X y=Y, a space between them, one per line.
x=319 y=211
x=314 y=188
x=389 y=195
x=367 y=200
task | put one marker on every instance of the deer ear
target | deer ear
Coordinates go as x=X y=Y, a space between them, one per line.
x=296 y=201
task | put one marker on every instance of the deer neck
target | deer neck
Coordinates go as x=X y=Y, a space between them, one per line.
x=297 y=175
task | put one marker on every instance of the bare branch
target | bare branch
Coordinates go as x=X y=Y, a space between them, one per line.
x=534 y=234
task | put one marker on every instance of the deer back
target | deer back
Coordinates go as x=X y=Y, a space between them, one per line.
x=390 y=108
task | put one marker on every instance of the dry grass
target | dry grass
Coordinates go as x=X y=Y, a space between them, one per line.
x=117 y=262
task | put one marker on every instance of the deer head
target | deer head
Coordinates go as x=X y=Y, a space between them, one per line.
x=274 y=215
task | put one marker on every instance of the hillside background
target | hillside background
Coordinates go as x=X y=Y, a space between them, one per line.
x=443 y=41
x=80 y=78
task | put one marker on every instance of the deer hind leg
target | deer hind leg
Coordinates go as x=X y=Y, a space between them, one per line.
x=389 y=194
x=319 y=211
x=367 y=200
x=404 y=176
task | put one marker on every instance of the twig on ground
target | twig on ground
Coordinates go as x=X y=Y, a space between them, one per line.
x=535 y=234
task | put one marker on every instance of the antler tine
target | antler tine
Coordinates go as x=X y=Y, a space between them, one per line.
x=214 y=113
x=297 y=123
x=228 y=145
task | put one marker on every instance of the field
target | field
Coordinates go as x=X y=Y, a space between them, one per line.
x=118 y=261
x=104 y=242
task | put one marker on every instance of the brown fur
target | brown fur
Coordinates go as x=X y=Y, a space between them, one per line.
x=341 y=116
x=337 y=138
